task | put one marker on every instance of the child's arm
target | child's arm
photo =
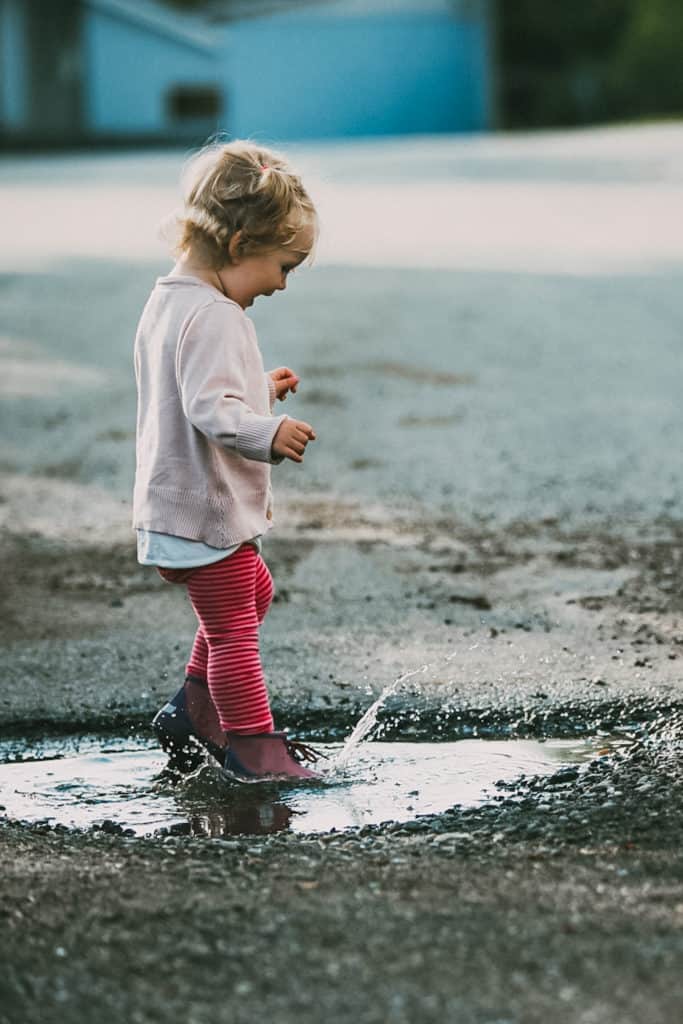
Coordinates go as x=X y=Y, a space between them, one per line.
x=213 y=355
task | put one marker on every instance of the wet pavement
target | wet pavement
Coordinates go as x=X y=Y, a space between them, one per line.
x=123 y=784
x=489 y=347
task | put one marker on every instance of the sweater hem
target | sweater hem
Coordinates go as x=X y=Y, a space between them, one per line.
x=220 y=524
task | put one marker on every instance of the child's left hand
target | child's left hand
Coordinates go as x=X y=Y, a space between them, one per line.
x=285 y=380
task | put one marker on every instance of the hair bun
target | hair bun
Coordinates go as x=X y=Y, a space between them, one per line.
x=228 y=188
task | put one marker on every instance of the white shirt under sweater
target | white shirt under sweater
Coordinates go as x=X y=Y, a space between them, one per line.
x=167 y=552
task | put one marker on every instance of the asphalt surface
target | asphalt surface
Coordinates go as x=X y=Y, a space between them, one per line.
x=489 y=346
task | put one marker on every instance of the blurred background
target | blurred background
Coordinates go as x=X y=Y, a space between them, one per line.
x=122 y=71
x=541 y=266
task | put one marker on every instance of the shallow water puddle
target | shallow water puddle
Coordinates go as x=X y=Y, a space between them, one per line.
x=81 y=783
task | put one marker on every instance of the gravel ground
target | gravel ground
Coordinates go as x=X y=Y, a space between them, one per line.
x=495 y=495
x=564 y=902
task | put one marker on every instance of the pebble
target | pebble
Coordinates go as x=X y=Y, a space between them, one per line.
x=112 y=828
x=563 y=776
x=415 y=826
x=180 y=828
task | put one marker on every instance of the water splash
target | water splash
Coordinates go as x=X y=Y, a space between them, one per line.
x=367 y=722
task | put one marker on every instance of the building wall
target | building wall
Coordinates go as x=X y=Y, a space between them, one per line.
x=40 y=69
x=13 y=66
x=55 y=88
x=311 y=77
x=332 y=71
x=130 y=74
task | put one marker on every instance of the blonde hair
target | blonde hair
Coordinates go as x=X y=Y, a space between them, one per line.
x=240 y=186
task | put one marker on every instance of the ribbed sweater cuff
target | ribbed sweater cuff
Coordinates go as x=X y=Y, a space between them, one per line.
x=255 y=437
x=272 y=392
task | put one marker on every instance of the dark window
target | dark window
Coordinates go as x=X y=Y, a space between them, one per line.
x=194 y=102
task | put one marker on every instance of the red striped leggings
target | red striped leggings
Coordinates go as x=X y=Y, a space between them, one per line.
x=230 y=599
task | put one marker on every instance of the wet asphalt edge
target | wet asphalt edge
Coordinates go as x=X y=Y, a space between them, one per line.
x=622 y=798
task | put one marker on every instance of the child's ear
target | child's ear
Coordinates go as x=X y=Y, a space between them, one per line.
x=235 y=247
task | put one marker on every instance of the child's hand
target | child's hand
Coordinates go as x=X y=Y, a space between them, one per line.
x=284 y=380
x=291 y=439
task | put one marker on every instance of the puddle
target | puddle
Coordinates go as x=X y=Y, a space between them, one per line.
x=81 y=782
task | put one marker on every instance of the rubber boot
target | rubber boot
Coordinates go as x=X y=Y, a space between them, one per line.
x=187 y=719
x=268 y=755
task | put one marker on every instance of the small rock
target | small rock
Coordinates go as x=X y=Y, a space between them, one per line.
x=565 y=775
x=180 y=828
x=112 y=828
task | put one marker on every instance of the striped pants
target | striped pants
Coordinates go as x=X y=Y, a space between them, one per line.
x=230 y=599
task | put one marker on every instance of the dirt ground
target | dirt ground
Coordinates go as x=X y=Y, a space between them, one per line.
x=501 y=506
x=568 y=905
x=392 y=930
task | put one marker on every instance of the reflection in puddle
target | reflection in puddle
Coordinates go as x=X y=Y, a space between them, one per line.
x=81 y=783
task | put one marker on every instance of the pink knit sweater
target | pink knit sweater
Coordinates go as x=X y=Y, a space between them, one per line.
x=204 y=426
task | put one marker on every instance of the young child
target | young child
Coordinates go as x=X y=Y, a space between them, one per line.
x=206 y=438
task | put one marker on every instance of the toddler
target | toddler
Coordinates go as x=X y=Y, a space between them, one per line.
x=206 y=438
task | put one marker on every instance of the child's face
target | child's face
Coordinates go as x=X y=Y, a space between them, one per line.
x=265 y=273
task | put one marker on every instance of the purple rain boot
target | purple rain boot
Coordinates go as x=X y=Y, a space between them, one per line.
x=268 y=755
x=187 y=719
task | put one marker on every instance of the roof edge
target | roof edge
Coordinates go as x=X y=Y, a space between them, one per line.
x=191 y=31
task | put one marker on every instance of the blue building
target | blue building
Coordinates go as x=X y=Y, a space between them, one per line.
x=89 y=71
x=103 y=70
x=360 y=67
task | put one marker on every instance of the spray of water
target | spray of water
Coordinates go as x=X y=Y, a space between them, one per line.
x=367 y=721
